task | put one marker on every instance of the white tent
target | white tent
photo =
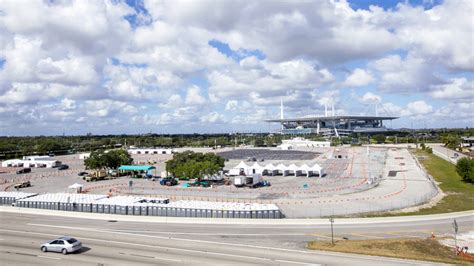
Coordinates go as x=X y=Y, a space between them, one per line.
x=76 y=187
x=317 y=168
x=256 y=169
x=293 y=168
x=271 y=169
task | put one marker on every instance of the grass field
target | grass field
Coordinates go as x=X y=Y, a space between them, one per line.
x=459 y=194
x=417 y=249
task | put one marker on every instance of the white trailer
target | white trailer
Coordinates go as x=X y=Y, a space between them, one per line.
x=249 y=181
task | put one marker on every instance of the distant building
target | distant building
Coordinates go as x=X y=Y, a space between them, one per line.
x=32 y=161
x=84 y=156
x=290 y=144
x=150 y=151
x=467 y=141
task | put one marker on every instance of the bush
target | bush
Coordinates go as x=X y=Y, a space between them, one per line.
x=465 y=168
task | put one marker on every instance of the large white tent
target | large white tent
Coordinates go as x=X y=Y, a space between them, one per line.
x=271 y=169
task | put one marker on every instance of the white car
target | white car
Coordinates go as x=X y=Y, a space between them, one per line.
x=64 y=245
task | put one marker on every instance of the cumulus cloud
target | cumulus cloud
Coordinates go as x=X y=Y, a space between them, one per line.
x=194 y=97
x=411 y=74
x=359 y=77
x=456 y=89
x=212 y=117
x=419 y=108
x=84 y=62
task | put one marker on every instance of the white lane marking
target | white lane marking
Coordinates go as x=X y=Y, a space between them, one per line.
x=334 y=254
x=183 y=250
x=199 y=234
x=287 y=261
x=168 y=259
x=46 y=257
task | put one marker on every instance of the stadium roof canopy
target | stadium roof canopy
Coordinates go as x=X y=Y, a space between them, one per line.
x=331 y=118
x=136 y=167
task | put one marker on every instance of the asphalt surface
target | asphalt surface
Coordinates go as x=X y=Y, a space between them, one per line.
x=117 y=242
x=445 y=153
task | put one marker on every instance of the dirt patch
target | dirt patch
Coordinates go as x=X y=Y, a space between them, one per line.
x=417 y=249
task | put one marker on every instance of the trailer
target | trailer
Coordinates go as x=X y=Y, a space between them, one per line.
x=252 y=181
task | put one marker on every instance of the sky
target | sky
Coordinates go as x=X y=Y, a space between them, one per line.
x=135 y=67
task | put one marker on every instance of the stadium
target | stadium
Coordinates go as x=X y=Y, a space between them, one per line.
x=333 y=125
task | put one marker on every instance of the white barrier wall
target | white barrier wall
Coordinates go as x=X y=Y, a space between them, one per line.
x=130 y=205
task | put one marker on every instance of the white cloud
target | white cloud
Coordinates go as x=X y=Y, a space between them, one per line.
x=82 y=61
x=458 y=89
x=108 y=108
x=270 y=80
x=412 y=74
x=419 y=108
x=175 y=101
x=212 y=118
x=194 y=97
x=359 y=77
x=371 y=98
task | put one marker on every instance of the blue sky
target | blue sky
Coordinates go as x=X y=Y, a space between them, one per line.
x=133 y=66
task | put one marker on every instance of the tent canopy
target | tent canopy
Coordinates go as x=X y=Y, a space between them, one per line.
x=136 y=167
x=75 y=186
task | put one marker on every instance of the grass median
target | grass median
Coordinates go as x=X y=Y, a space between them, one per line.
x=417 y=249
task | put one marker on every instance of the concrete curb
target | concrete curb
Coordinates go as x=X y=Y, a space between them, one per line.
x=180 y=220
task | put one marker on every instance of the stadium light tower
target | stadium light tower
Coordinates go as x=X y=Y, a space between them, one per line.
x=281 y=108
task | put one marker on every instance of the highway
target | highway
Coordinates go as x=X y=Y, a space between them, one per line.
x=119 y=242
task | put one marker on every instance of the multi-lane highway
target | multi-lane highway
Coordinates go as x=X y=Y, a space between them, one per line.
x=120 y=242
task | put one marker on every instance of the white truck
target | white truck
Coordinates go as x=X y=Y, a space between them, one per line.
x=252 y=181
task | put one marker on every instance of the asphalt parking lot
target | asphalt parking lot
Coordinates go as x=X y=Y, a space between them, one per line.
x=356 y=182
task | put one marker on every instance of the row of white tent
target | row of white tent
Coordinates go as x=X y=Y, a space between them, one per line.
x=276 y=169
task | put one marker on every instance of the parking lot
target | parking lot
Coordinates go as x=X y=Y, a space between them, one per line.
x=357 y=181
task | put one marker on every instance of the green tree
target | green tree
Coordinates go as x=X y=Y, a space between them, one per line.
x=188 y=164
x=379 y=138
x=465 y=168
x=452 y=141
x=108 y=160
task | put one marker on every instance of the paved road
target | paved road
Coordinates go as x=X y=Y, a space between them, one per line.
x=117 y=242
x=445 y=153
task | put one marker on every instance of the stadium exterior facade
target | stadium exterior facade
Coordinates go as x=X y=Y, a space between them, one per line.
x=333 y=125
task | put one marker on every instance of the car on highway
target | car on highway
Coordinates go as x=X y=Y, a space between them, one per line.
x=63 y=167
x=63 y=244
